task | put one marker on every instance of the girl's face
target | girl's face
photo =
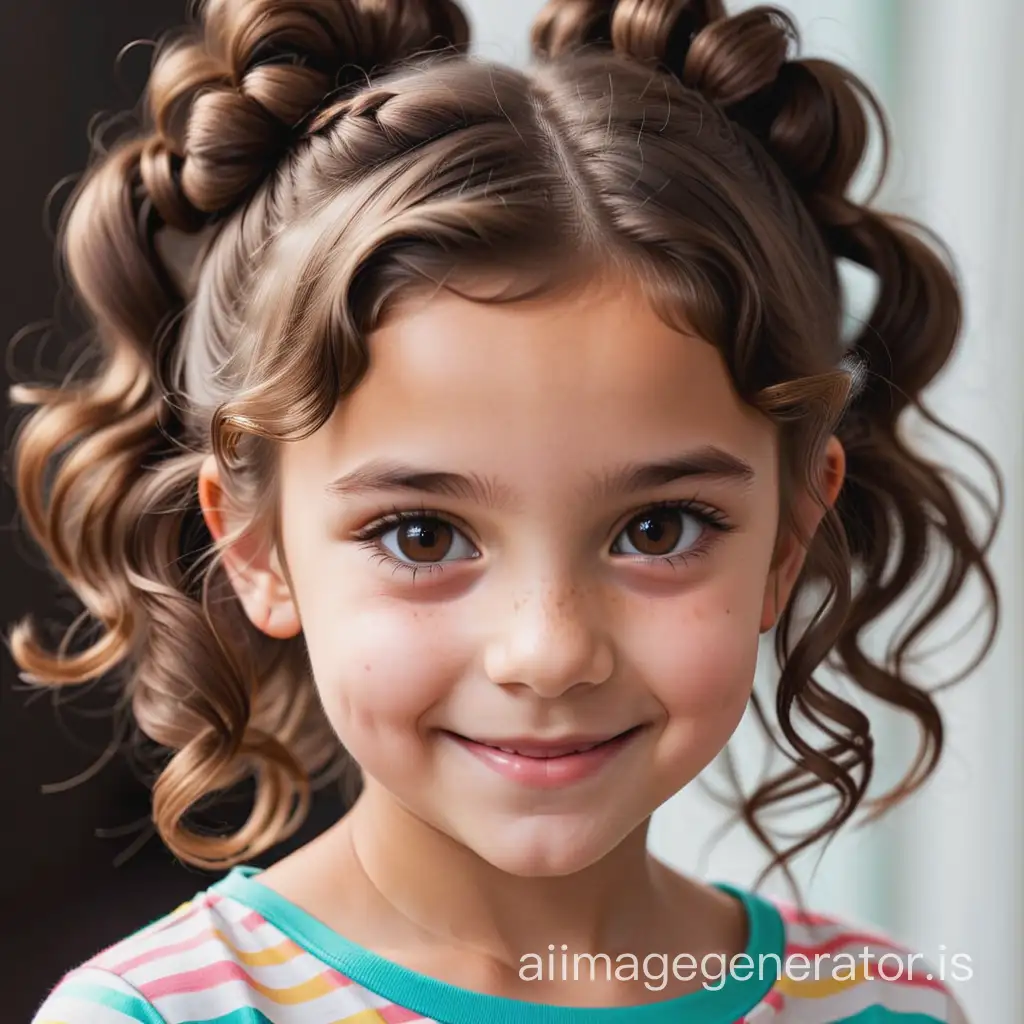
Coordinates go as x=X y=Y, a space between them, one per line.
x=532 y=527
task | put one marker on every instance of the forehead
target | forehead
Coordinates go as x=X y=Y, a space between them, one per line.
x=541 y=389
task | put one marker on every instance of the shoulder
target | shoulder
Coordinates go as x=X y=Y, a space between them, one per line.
x=844 y=969
x=88 y=995
x=174 y=969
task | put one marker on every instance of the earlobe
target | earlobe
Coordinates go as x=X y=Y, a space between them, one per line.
x=252 y=566
x=270 y=606
x=834 y=471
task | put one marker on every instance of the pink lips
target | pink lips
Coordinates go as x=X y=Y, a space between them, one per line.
x=546 y=766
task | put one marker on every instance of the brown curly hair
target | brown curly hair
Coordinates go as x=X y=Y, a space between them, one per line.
x=301 y=165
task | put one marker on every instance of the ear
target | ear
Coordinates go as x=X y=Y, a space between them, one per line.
x=791 y=552
x=252 y=563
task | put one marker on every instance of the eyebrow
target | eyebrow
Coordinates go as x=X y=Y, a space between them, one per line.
x=380 y=475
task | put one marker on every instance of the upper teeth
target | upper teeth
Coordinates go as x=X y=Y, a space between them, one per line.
x=556 y=753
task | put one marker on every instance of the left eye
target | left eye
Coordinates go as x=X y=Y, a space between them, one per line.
x=660 y=533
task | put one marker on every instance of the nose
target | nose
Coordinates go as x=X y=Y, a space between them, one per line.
x=549 y=642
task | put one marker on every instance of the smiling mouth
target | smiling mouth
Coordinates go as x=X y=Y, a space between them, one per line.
x=551 y=749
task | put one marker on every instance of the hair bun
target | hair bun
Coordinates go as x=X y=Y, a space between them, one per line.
x=808 y=114
x=734 y=58
x=652 y=31
x=227 y=102
x=400 y=28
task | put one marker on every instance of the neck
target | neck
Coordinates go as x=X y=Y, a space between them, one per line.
x=624 y=902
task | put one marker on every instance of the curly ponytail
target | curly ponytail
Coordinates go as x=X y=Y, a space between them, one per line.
x=104 y=473
x=897 y=512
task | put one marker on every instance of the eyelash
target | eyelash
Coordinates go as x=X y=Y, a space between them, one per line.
x=711 y=517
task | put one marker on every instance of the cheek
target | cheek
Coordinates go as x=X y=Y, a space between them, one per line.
x=698 y=665
x=379 y=668
x=698 y=654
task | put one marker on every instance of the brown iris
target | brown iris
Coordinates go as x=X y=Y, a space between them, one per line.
x=660 y=531
x=426 y=540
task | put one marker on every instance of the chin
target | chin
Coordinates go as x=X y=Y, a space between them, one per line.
x=543 y=847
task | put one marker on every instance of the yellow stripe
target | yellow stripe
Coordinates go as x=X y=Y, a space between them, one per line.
x=316 y=987
x=819 y=988
x=272 y=955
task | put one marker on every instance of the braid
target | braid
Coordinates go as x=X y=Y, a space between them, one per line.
x=257 y=72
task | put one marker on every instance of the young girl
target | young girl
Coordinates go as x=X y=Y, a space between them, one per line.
x=477 y=423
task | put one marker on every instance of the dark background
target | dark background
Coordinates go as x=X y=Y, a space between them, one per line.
x=62 y=898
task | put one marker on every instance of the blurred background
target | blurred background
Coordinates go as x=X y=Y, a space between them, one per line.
x=942 y=874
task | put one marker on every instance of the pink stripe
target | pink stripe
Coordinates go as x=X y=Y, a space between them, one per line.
x=155 y=929
x=397 y=1015
x=791 y=914
x=773 y=1000
x=195 y=981
x=252 y=921
x=846 y=939
x=155 y=954
x=339 y=979
x=212 y=975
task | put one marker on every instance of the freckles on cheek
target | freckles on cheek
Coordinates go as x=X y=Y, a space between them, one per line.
x=383 y=664
x=702 y=662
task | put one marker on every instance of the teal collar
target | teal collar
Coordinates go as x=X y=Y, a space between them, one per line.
x=453 y=1005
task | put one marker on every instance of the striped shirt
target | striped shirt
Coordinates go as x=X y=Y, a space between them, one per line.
x=239 y=953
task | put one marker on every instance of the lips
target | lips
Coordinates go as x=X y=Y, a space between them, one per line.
x=549 y=764
x=545 y=750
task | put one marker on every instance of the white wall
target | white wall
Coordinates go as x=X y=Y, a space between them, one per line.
x=942 y=873
x=961 y=85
